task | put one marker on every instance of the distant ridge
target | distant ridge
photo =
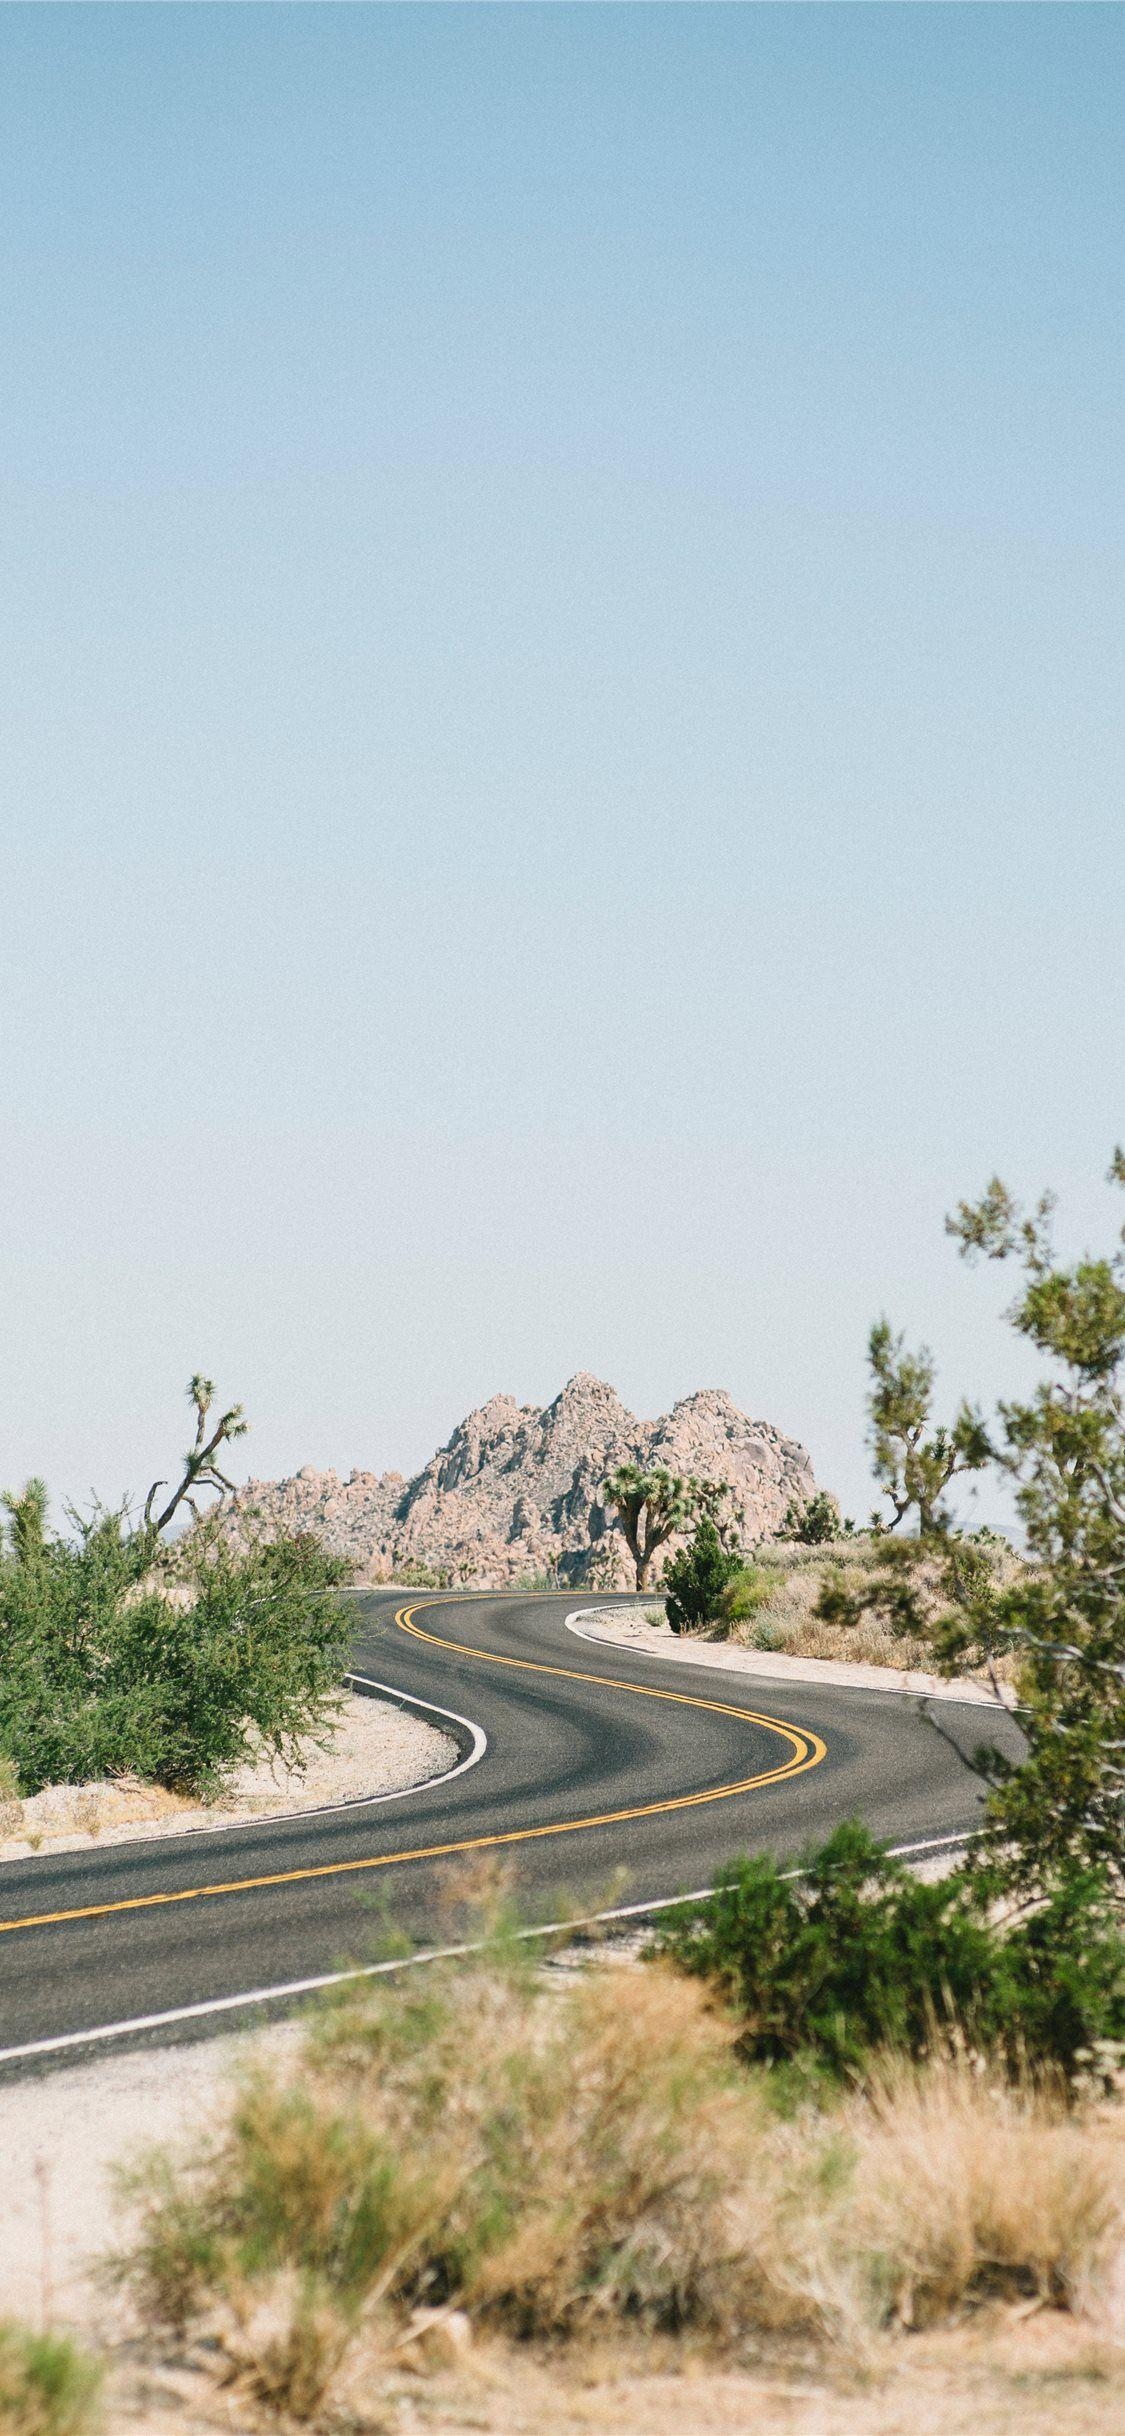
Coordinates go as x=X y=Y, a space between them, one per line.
x=517 y=1490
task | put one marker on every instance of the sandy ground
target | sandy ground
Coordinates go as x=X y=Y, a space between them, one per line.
x=994 y=2378
x=375 y=1748
x=627 y=1627
x=60 y=2137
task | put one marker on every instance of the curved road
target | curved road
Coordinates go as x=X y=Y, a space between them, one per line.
x=609 y=1778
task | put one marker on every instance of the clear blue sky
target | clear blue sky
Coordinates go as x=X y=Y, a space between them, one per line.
x=563 y=700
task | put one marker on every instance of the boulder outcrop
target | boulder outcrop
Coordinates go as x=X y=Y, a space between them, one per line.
x=516 y=1492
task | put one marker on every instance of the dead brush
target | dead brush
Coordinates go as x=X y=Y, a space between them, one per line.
x=605 y=2143
x=968 y=2188
x=787 y=1620
x=548 y=2160
x=632 y=2156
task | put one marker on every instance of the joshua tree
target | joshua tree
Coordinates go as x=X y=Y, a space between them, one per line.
x=649 y=1507
x=200 y=1468
x=814 y=1520
x=716 y=1502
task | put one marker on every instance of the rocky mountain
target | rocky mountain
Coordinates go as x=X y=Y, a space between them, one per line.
x=517 y=1491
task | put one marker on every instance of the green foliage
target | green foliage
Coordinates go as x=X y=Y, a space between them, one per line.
x=854 y=1957
x=1061 y=1450
x=913 y=1464
x=650 y=1506
x=416 y=1576
x=696 y=1578
x=119 y=1653
x=48 y=2387
x=107 y=1665
x=816 y=1521
x=716 y=1501
x=746 y=1591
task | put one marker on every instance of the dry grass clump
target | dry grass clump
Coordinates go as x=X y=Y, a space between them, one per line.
x=561 y=2161
x=787 y=1620
x=968 y=2188
x=547 y=2161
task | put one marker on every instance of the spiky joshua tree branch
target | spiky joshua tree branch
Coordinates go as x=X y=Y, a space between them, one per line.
x=649 y=1506
x=201 y=1470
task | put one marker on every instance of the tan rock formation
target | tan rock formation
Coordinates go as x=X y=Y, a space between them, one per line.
x=517 y=1491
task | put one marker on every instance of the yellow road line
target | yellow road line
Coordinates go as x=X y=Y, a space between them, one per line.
x=807 y=1752
x=612 y=1683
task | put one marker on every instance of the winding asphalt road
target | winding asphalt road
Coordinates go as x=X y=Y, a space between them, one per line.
x=597 y=1776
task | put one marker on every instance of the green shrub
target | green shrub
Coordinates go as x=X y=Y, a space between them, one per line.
x=746 y=1591
x=695 y=1579
x=47 y=2386
x=113 y=1659
x=856 y=1956
x=814 y=1522
x=768 y=1634
x=416 y=1576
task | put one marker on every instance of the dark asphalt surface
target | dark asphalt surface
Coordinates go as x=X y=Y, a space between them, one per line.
x=560 y=1749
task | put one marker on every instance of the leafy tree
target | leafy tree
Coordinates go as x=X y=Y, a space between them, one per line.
x=696 y=1578
x=27 y=1521
x=650 y=1506
x=914 y=1463
x=1062 y=1449
x=118 y=1653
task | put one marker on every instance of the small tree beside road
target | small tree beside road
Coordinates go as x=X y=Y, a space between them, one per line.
x=695 y=1580
x=121 y=1652
x=815 y=1520
x=650 y=1506
x=913 y=1462
x=1060 y=1612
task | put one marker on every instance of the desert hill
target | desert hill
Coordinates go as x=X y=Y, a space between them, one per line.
x=517 y=1490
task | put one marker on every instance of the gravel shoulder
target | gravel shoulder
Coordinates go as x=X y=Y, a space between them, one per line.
x=626 y=1628
x=62 y=2136
x=375 y=1748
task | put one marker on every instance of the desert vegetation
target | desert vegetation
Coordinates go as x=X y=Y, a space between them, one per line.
x=49 y=2385
x=125 y=1650
x=852 y=1957
x=489 y=2147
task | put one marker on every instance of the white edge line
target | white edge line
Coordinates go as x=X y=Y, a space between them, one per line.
x=319 y=1810
x=71 y=2039
x=888 y=1691
x=480 y=1746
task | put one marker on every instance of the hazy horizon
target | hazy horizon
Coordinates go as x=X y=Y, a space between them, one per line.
x=563 y=707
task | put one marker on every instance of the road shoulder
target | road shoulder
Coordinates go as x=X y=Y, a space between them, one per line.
x=625 y=1628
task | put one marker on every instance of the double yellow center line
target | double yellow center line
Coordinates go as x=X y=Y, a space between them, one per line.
x=806 y=1750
